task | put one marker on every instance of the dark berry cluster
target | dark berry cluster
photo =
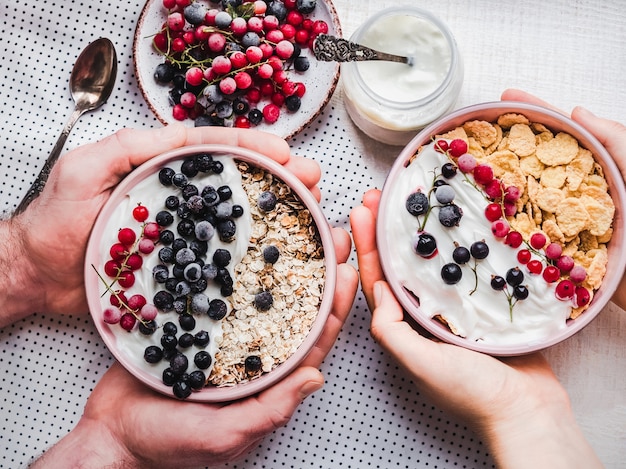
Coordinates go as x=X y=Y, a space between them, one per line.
x=224 y=61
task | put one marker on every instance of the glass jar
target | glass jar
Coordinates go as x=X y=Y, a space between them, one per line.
x=391 y=101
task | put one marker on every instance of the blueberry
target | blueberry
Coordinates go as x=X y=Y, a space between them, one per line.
x=293 y=103
x=240 y=106
x=514 y=277
x=224 y=192
x=178 y=244
x=479 y=250
x=147 y=327
x=169 y=341
x=166 y=237
x=163 y=300
x=182 y=288
x=179 y=363
x=189 y=191
x=306 y=6
x=201 y=338
x=213 y=94
x=278 y=9
x=209 y=271
x=180 y=305
x=203 y=121
x=169 y=378
x=250 y=39
x=445 y=194
x=166 y=255
x=160 y=273
x=166 y=175
x=267 y=201
x=199 y=303
x=153 y=354
x=181 y=389
x=253 y=364
x=204 y=231
x=170 y=328
x=224 y=210
x=175 y=95
x=203 y=162
x=185 y=227
x=217 y=309
x=164 y=73
x=172 y=202
x=200 y=248
x=170 y=284
x=180 y=180
x=202 y=359
x=451 y=273
x=193 y=272
x=461 y=255
x=439 y=183
x=226 y=290
x=271 y=254
x=183 y=211
x=226 y=230
x=223 y=20
x=185 y=340
x=417 y=203
x=210 y=197
x=164 y=218
x=185 y=256
x=187 y=322
x=199 y=286
x=498 y=282
x=196 y=204
x=263 y=300
x=195 y=13
x=301 y=64
x=224 y=109
x=425 y=245
x=197 y=380
x=221 y=257
x=450 y=215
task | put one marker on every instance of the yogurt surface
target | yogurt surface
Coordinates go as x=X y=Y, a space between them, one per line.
x=484 y=315
x=152 y=194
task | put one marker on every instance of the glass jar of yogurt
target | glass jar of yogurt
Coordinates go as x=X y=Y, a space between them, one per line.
x=391 y=101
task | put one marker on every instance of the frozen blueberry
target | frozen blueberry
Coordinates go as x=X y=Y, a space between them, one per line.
x=166 y=175
x=179 y=363
x=185 y=340
x=189 y=191
x=164 y=73
x=193 y=272
x=164 y=218
x=204 y=231
x=301 y=64
x=293 y=103
x=148 y=327
x=199 y=303
x=166 y=237
x=267 y=201
x=271 y=254
x=186 y=227
x=221 y=257
x=306 y=6
x=209 y=271
x=201 y=338
x=169 y=341
x=224 y=210
x=263 y=300
x=182 y=288
x=195 y=13
x=187 y=322
x=185 y=256
x=180 y=180
x=163 y=300
x=226 y=229
x=160 y=273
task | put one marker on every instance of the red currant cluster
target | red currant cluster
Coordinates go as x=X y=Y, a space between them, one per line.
x=229 y=66
x=125 y=259
x=554 y=266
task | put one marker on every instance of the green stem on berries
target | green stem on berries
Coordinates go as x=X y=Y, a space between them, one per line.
x=108 y=289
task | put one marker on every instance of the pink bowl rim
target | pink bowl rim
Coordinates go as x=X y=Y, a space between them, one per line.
x=556 y=122
x=227 y=393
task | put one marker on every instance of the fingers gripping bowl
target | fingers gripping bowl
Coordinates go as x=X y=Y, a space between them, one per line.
x=501 y=228
x=210 y=273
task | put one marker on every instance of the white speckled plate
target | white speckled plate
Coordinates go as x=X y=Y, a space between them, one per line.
x=320 y=79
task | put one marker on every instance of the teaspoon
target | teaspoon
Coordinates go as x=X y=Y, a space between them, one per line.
x=91 y=84
x=336 y=49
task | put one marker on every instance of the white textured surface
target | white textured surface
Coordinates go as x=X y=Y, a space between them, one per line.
x=368 y=414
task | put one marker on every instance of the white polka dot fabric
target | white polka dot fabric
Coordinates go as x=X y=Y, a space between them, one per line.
x=369 y=414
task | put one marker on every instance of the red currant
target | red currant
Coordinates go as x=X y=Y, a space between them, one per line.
x=577 y=274
x=551 y=274
x=441 y=146
x=111 y=315
x=500 y=228
x=513 y=239
x=126 y=236
x=523 y=256
x=457 y=147
x=271 y=113
x=127 y=321
x=534 y=266
x=140 y=213
x=538 y=240
x=134 y=262
x=151 y=230
x=483 y=174
x=148 y=312
x=565 y=289
x=118 y=252
x=493 y=212
x=126 y=279
x=553 y=251
x=582 y=295
x=565 y=263
x=145 y=246
x=112 y=268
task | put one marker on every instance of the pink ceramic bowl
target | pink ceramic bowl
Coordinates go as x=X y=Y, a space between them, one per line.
x=97 y=255
x=616 y=248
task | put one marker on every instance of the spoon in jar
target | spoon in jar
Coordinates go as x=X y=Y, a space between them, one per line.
x=91 y=83
x=335 y=49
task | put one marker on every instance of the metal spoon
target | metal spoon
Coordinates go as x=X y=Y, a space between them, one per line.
x=335 y=49
x=91 y=84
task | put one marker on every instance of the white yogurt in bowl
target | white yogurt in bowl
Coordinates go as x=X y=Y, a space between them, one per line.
x=391 y=101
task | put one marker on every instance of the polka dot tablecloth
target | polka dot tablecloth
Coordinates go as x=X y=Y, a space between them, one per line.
x=369 y=414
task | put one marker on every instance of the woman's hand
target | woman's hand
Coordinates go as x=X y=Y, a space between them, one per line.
x=516 y=404
x=42 y=256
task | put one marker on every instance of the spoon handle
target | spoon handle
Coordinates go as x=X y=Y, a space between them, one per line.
x=335 y=49
x=39 y=183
